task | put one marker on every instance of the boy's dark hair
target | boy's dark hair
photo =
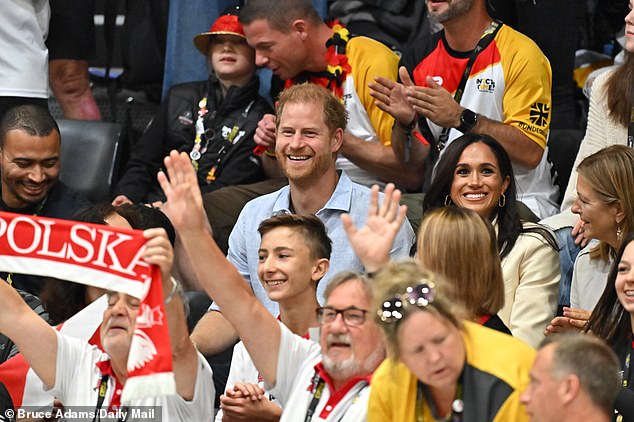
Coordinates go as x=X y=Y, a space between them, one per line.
x=63 y=299
x=139 y=216
x=308 y=226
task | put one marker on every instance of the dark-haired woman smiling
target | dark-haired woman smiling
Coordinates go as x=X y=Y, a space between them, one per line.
x=613 y=321
x=475 y=172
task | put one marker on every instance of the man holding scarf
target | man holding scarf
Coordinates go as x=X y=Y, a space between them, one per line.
x=135 y=326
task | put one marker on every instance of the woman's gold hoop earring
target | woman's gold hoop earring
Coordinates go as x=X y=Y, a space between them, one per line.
x=502 y=201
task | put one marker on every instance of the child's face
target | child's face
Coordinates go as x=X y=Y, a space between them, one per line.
x=231 y=58
x=624 y=283
x=285 y=266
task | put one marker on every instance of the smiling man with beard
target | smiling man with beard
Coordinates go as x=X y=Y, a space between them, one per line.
x=328 y=381
x=310 y=126
x=29 y=173
x=292 y=41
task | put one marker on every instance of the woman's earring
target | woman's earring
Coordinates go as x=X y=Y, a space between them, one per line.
x=619 y=232
x=501 y=201
x=447 y=200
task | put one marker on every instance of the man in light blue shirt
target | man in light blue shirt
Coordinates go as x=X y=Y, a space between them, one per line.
x=310 y=123
x=348 y=197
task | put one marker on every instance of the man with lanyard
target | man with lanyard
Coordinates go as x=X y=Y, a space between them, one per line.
x=475 y=76
x=314 y=382
x=29 y=173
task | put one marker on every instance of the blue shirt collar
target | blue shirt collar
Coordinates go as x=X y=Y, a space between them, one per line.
x=340 y=199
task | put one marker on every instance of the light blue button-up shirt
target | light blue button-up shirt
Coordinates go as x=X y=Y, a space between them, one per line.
x=348 y=197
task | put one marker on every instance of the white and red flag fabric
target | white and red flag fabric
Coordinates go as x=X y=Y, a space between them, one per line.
x=106 y=257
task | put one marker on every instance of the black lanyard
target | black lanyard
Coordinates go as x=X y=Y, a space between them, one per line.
x=231 y=141
x=625 y=373
x=318 y=387
x=489 y=35
x=101 y=396
x=207 y=132
x=457 y=405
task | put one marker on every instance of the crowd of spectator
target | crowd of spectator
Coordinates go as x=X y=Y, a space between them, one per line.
x=378 y=234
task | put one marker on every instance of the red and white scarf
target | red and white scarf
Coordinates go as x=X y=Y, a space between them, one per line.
x=106 y=257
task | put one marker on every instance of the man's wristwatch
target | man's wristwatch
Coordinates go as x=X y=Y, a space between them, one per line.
x=468 y=120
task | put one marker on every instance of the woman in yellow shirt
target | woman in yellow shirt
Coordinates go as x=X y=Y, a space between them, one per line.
x=441 y=367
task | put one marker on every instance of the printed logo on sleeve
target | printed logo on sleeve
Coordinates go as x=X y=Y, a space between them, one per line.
x=539 y=114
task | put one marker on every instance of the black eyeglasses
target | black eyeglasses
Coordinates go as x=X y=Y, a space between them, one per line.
x=393 y=308
x=351 y=316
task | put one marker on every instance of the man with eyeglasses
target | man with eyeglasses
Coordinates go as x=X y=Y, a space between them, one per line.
x=328 y=381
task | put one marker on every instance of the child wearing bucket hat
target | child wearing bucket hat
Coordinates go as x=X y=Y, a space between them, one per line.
x=213 y=121
x=226 y=24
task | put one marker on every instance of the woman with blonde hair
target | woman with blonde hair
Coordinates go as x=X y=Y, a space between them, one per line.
x=605 y=205
x=611 y=105
x=461 y=246
x=439 y=365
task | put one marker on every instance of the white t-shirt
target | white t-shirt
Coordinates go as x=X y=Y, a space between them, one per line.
x=359 y=125
x=24 y=58
x=77 y=377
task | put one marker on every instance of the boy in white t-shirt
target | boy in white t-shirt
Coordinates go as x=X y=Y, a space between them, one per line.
x=293 y=256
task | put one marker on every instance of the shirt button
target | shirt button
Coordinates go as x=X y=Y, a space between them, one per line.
x=118 y=391
x=329 y=408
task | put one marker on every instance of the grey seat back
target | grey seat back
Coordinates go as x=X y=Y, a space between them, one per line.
x=90 y=156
